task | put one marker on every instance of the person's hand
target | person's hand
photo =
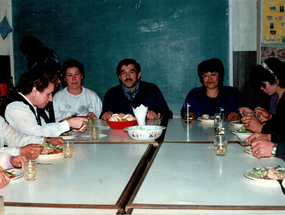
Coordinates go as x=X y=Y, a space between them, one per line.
x=69 y=117
x=56 y=140
x=261 y=148
x=245 y=111
x=4 y=179
x=252 y=124
x=17 y=161
x=107 y=115
x=91 y=115
x=264 y=115
x=31 y=151
x=77 y=122
x=233 y=116
x=151 y=114
x=258 y=136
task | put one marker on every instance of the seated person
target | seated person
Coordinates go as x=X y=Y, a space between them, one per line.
x=132 y=92
x=35 y=91
x=213 y=95
x=270 y=78
x=76 y=99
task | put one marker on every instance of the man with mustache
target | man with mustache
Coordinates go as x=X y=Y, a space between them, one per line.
x=132 y=92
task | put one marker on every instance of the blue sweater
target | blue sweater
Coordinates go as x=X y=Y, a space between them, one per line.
x=148 y=94
x=228 y=97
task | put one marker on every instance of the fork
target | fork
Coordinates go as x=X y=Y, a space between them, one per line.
x=257 y=117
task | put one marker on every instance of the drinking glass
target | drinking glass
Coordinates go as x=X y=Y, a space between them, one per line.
x=94 y=133
x=220 y=145
x=187 y=113
x=68 y=149
x=30 y=171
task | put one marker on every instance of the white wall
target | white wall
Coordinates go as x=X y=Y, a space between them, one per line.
x=244 y=25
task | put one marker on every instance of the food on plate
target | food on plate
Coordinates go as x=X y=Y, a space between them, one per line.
x=275 y=174
x=68 y=133
x=121 y=117
x=10 y=174
x=242 y=130
x=267 y=173
x=49 y=148
x=206 y=117
x=240 y=121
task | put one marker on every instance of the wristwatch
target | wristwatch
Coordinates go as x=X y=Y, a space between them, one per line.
x=273 y=150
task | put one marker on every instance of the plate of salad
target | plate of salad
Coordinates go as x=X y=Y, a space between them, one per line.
x=14 y=173
x=242 y=133
x=68 y=135
x=50 y=150
x=260 y=174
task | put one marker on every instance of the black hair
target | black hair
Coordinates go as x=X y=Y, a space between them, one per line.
x=32 y=47
x=72 y=63
x=126 y=62
x=274 y=69
x=39 y=77
x=212 y=65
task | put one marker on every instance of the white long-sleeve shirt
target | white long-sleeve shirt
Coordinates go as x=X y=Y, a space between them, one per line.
x=13 y=140
x=66 y=104
x=19 y=116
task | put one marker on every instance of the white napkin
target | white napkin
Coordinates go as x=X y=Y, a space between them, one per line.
x=140 y=114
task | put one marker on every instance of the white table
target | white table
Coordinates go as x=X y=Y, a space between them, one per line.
x=191 y=176
x=98 y=177
x=196 y=131
x=110 y=136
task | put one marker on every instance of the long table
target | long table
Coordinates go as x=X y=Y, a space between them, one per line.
x=191 y=176
x=100 y=176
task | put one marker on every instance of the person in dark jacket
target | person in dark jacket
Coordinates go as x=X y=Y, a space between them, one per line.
x=132 y=92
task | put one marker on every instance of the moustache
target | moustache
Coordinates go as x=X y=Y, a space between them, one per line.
x=128 y=79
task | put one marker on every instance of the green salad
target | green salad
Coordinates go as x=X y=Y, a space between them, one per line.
x=52 y=146
x=258 y=173
x=242 y=130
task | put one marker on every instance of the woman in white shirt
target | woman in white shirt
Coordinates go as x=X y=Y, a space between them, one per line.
x=35 y=91
x=75 y=99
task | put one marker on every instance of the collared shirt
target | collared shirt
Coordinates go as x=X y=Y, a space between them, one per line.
x=128 y=92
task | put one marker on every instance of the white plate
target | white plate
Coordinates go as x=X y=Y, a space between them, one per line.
x=242 y=136
x=265 y=181
x=233 y=123
x=17 y=172
x=205 y=120
x=69 y=137
x=50 y=156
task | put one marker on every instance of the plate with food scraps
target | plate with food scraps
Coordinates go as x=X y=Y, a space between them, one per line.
x=69 y=135
x=237 y=123
x=259 y=174
x=50 y=151
x=210 y=120
x=242 y=133
x=14 y=173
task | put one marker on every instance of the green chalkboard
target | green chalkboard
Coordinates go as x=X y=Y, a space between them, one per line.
x=169 y=38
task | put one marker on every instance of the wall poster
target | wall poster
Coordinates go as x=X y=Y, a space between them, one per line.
x=273 y=28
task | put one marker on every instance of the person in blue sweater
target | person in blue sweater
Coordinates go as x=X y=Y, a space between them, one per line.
x=132 y=92
x=213 y=95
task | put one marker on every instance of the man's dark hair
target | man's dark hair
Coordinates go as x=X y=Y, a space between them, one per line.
x=212 y=65
x=127 y=62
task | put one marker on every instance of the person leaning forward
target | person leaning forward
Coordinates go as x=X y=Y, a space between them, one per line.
x=132 y=92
